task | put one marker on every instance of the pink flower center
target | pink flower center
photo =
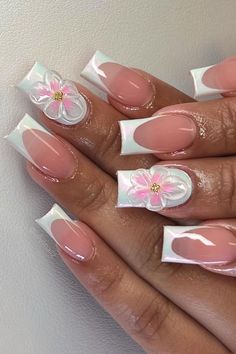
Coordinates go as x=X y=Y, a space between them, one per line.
x=58 y=96
x=155 y=187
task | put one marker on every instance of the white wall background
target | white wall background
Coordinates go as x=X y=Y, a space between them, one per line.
x=43 y=309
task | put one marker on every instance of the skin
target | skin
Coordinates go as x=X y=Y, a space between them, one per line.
x=166 y=308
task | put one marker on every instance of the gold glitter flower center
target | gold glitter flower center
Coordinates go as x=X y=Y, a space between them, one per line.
x=58 y=95
x=155 y=188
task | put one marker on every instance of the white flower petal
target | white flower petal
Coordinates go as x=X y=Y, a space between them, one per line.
x=74 y=108
x=140 y=178
x=160 y=171
x=52 y=109
x=69 y=89
x=39 y=93
x=53 y=80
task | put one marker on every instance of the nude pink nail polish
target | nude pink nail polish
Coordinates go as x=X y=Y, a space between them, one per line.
x=222 y=75
x=72 y=237
x=203 y=244
x=215 y=79
x=121 y=83
x=42 y=149
x=161 y=134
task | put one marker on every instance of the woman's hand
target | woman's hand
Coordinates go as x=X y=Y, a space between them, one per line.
x=166 y=308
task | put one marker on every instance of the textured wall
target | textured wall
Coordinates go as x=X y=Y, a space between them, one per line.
x=43 y=309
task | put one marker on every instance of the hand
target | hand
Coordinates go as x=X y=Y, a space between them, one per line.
x=164 y=307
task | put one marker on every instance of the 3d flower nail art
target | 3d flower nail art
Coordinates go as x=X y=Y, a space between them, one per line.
x=155 y=189
x=59 y=99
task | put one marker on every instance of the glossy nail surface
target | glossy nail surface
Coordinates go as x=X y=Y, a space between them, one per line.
x=123 y=84
x=72 y=237
x=42 y=149
x=59 y=99
x=215 y=79
x=198 y=245
x=160 y=134
x=155 y=189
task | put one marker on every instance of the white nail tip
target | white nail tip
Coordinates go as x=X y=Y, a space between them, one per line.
x=92 y=73
x=128 y=144
x=200 y=89
x=59 y=99
x=15 y=138
x=174 y=232
x=158 y=188
x=46 y=221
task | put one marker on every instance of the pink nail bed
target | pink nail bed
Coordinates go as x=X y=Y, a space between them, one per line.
x=198 y=245
x=123 y=84
x=160 y=134
x=42 y=149
x=72 y=237
x=215 y=79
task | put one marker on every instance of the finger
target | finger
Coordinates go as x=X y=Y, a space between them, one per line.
x=144 y=313
x=87 y=122
x=91 y=195
x=211 y=244
x=190 y=130
x=132 y=92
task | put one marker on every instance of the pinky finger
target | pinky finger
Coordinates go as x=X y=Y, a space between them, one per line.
x=158 y=325
x=212 y=245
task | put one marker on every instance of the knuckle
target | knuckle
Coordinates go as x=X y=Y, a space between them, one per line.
x=150 y=320
x=227 y=122
x=148 y=254
x=106 y=281
x=110 y=141
x=227 y=190
x=94 y=194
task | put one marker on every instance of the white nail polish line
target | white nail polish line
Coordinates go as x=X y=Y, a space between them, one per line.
x=59 y=105
x=92 y=73
x=128 y=144
x=173 y=232
x=15 y=137
x=200 y=89
x=55 y=213
x=127 y=188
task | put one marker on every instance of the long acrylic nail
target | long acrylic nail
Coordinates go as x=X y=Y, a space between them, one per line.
x=72 y=237
x=160 y=134
x=215 y=79
x=42 y=149
x=198 y=245
x=158 y=188
x=59 y=99
x=123 y=84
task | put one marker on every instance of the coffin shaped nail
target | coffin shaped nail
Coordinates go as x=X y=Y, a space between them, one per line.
x=215 y=79
x=159 y=134
x=42 y=149
x=70 y=236
x=123 y=84
x=59 y=99
x=198 y=245
x=158 y=188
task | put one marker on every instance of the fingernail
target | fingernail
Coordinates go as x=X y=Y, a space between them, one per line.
x=59 y=99
x=42 y=149
x=72 y=237
x=161 y=134
x=215 y=79
x=198 y=245
x=155 y=189
x=121 y=83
